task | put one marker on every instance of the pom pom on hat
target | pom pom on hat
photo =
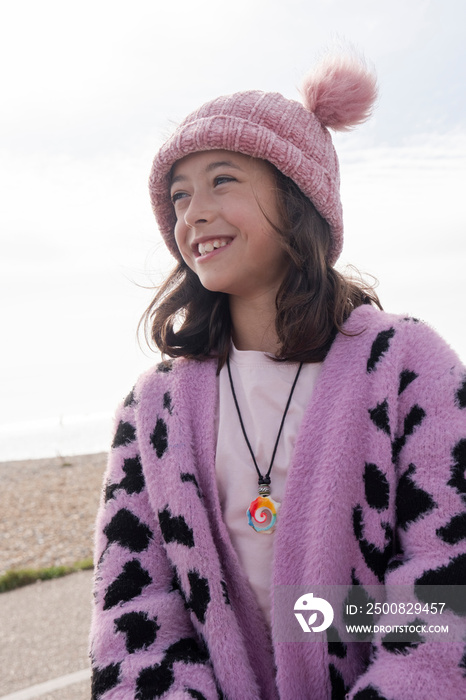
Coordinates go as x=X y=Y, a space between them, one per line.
x=340 y=91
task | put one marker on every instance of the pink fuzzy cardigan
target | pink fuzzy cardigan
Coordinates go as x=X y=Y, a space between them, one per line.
x=376 y=492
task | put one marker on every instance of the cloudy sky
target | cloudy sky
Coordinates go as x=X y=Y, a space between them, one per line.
x=91 y=89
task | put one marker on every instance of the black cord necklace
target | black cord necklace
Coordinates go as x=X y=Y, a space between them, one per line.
x=262 y=512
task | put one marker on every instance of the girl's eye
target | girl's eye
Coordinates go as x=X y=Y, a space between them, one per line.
x=221 y=179
x=176 y=196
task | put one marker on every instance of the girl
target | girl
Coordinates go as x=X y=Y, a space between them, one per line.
x=300 y=438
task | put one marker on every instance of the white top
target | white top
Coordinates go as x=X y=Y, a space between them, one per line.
x=262 y=387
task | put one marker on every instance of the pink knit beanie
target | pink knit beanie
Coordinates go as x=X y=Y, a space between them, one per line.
x=339 y=93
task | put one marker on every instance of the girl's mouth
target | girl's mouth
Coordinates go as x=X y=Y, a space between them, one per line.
x=210 y=246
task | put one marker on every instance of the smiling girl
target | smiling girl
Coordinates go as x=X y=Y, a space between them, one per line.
x=299 y=437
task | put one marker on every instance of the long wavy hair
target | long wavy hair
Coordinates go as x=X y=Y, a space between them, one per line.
x=312 y=303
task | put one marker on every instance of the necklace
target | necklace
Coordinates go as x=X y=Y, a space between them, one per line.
x=262 y=512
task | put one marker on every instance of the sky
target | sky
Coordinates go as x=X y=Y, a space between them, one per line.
x=90 y=90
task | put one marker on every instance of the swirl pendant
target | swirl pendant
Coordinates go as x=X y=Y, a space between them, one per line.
x=262 y=514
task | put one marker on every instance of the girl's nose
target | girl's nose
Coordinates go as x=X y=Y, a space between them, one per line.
x=199 y=210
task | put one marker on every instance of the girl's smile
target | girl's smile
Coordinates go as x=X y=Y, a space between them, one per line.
x=210 y=246
x=226 y=209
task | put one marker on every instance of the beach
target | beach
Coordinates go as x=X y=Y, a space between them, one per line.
x=48 y=509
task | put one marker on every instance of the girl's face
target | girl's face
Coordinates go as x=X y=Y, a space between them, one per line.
x=224 y=203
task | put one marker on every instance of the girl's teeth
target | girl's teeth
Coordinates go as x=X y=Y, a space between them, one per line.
x=209 y=247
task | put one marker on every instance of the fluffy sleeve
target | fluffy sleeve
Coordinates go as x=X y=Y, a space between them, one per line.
x=143 y=644
x=424 y=419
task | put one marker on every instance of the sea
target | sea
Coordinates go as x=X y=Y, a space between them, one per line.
x=56 y=437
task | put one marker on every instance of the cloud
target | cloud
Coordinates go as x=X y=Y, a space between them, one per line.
x=405 y=223
x=91 y=89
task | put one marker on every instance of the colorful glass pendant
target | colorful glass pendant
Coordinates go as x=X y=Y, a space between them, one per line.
x=262 y=514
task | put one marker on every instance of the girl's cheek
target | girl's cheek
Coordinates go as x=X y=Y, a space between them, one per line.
x=185 y=252
x=185 y=256
x=179 y=238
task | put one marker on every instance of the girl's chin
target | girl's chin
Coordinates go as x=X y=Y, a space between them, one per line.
x=215 y=283
x=212 y=287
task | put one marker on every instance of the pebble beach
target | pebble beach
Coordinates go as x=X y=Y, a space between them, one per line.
x=48 y=509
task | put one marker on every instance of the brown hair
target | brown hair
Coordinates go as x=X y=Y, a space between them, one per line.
x=313 y=301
